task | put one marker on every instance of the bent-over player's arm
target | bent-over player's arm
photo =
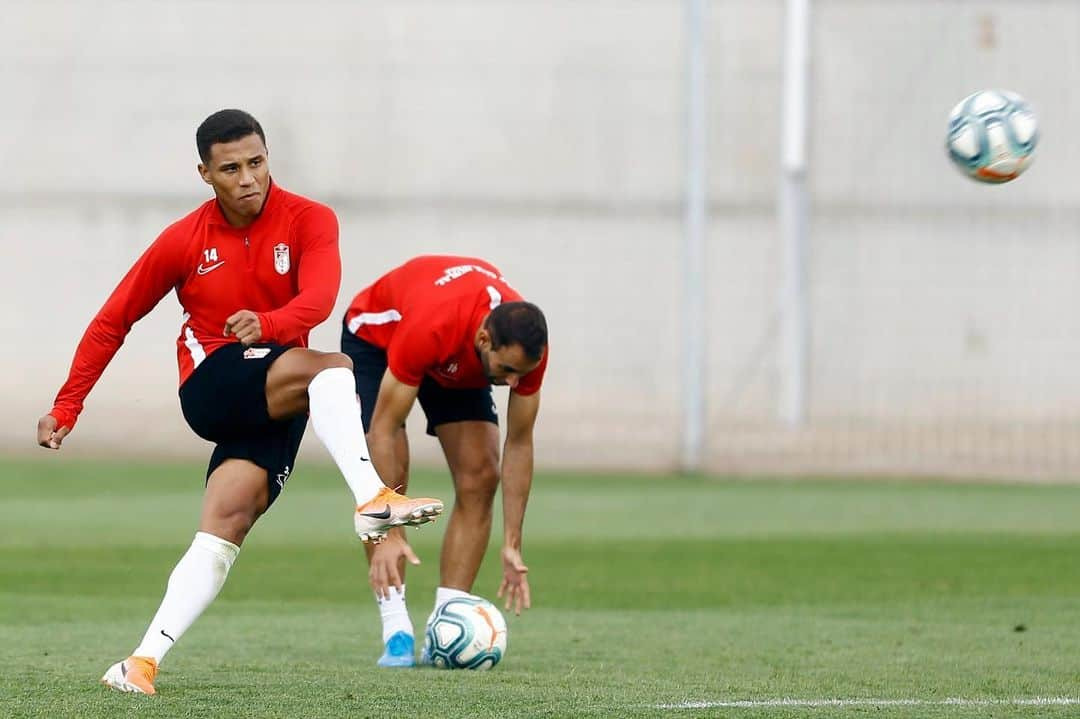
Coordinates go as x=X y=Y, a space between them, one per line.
x=517 y=464
x=517 y=475
x=391 y=408
x=413 y=349
x=157 y=271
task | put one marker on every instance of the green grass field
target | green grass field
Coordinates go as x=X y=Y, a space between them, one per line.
x=652 y=597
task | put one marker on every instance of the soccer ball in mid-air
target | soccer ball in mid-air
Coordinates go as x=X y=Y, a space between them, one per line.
x=466 y=633
x=992 y=135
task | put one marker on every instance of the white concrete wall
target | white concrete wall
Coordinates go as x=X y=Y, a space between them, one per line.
x=547 y=137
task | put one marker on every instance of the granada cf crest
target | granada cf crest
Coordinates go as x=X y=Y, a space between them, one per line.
x=281 y=258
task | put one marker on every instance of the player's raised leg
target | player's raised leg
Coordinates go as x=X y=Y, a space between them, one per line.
x=322 y=382
x=236 y=495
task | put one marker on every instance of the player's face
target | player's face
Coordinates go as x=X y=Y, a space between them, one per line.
x=506 y=365
x=240 y=175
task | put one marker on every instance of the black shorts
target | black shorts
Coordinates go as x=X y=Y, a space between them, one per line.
x=224 y=401
x=441 y=405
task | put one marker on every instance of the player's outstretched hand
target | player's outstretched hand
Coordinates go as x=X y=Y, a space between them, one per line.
x=385 y=558
x=515 y=583
x=245 y=326
x=47 y=433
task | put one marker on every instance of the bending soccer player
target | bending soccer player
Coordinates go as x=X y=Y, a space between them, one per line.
x=254 y=269
x=443 y=330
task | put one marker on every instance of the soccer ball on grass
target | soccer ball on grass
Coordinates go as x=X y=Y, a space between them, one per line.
x=465 y=633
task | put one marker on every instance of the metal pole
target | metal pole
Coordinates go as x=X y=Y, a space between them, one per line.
x=694 y=330
x=793 y=216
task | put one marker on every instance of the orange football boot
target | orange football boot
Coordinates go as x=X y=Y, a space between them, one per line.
x=388 y=509
x=134 y=674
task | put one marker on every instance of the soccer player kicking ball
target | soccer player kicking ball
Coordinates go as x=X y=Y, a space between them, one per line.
x=443 y=330
x=254 y=269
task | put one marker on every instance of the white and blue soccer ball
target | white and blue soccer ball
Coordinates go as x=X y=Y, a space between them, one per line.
x=465 y=633
x=992 y=135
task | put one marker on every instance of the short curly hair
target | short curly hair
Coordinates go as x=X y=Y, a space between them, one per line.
x=518 y=323
x=225 y=126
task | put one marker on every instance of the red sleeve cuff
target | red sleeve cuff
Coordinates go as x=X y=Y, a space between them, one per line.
x=266 y=326
x=64 y=418
x=406 y=377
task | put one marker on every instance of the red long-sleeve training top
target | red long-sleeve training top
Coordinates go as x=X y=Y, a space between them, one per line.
x=285 y=267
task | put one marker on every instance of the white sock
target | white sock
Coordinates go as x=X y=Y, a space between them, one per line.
x=394 y=613
x=443 y=595
x=335 y=415
x=193 y=584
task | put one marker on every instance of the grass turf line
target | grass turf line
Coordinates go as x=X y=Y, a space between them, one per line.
x=647 y=591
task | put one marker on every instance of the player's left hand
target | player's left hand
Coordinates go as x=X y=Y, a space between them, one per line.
x=245 y=326
x=515 y=583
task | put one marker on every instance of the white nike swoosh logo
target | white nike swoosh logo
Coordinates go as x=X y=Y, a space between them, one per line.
x=209 y=268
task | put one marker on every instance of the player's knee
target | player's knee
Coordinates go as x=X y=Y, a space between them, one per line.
x=332 y=360
x=475 y=488
x=317 y=362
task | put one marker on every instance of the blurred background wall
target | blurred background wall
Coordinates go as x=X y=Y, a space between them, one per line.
x=548 y=136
